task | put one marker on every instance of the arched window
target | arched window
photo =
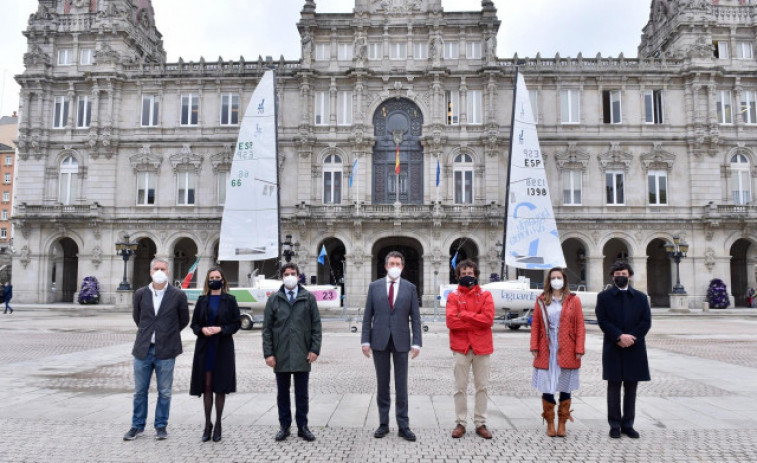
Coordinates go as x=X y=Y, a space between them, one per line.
x=463 y=172
x=332 y=179
x=740 y=180
x=68 y=186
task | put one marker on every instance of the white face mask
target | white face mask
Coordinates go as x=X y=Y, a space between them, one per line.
x=290 y=281
x=557 y=283
x=394 y=272
x=159 y=277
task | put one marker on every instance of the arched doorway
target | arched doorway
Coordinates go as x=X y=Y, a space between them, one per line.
x=465 y=249
x=398 y=123
x=574 y=251
x=740 y=253
x=146 y=251
x=659 y=280
x=413 y=252
x=65 y=270
x=614 y=250
x=184 y=255
x=332 y=271
x=230 y=268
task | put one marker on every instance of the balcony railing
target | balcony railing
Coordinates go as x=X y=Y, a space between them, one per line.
x=54 y=211
x=403 y=211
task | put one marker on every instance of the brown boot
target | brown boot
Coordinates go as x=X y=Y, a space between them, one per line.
x=563 y=415
x=549 y=417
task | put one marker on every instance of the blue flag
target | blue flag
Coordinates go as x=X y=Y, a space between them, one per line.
x=322 y=255
x=438 y=171
x=352 y=174
x=454 y=261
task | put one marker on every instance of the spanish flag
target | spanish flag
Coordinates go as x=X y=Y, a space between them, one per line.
x=397 y=160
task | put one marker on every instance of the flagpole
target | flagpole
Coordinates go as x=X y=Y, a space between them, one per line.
x=507 y=180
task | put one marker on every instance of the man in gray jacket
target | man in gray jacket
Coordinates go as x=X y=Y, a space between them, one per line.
x=160 y=312
x=291 y=343
x=391 y=306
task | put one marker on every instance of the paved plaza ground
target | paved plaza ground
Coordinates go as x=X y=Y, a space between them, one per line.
x=67 y=384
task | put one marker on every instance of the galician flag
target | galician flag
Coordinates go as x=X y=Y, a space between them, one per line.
x=322 y=255
x=190 y=274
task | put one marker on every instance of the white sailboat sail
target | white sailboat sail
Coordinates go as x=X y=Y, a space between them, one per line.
x=532 y=241
x=250 y=223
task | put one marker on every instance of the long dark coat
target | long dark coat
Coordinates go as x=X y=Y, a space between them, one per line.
x=291 y=331
x=225 y=373
x=624 y=312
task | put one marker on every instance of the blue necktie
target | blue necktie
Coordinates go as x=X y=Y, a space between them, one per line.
x=291 y=297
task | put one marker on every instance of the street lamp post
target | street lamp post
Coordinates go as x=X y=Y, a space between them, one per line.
x=676 y=251
x=125 y=249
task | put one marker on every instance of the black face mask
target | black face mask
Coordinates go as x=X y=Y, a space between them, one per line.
x=620 y=281
x=215 y=284
x=468 y=281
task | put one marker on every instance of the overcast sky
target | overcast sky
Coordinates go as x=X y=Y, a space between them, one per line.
x=233 y=28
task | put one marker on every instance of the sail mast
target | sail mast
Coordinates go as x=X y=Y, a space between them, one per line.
x=278 y=180
x=507 y=178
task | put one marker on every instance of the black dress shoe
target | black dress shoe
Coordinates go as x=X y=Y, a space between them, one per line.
x=630 y=432
x=207 y=432
x=305 y=433
x=615 y=433
x=406 y=434
x=217 y=432
x=381 y=431
x=282 y=434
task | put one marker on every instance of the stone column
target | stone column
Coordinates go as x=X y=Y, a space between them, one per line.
x=595 y=273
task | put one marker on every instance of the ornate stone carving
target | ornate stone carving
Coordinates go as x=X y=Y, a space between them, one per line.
x=709 y=258
x=222 y=161
x=97 y=254
x=145 y=160
x=658 y=158
x=572 y=158
x=25 y=256
x=36 y=55
x=615 y=158
x=397 y=7
x=186 y=160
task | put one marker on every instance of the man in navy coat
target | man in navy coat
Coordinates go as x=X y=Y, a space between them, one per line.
x=624 y=317
x=391 y=306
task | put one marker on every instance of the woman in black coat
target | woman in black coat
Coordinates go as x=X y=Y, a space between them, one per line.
x=215 y=319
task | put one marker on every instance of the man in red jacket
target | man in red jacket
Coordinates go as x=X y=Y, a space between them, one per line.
x=470 y=316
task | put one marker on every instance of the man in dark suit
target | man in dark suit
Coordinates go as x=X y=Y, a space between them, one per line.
x=160 y=312
x=624 y=317
x=392 y=303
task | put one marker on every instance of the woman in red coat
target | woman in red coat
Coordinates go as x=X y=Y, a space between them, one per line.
x=557 y=344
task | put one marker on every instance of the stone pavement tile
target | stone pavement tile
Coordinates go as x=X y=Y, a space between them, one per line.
x=517 y=407
x=709 y=411
x=352 y=410
x=421 y=412
x=322 y=408
x=252 y=409
x=740 y=406
x=65 y=443
x=591 y=408
x=444 y=406
x=665 y=410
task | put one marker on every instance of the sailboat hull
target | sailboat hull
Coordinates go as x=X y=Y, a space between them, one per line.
x=327 y=296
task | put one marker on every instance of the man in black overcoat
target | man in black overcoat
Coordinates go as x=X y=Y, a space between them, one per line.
x=624 y=317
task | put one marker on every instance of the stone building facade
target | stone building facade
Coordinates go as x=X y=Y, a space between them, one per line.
x=113 y=140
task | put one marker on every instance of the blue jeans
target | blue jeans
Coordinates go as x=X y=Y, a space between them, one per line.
x=164 y=376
